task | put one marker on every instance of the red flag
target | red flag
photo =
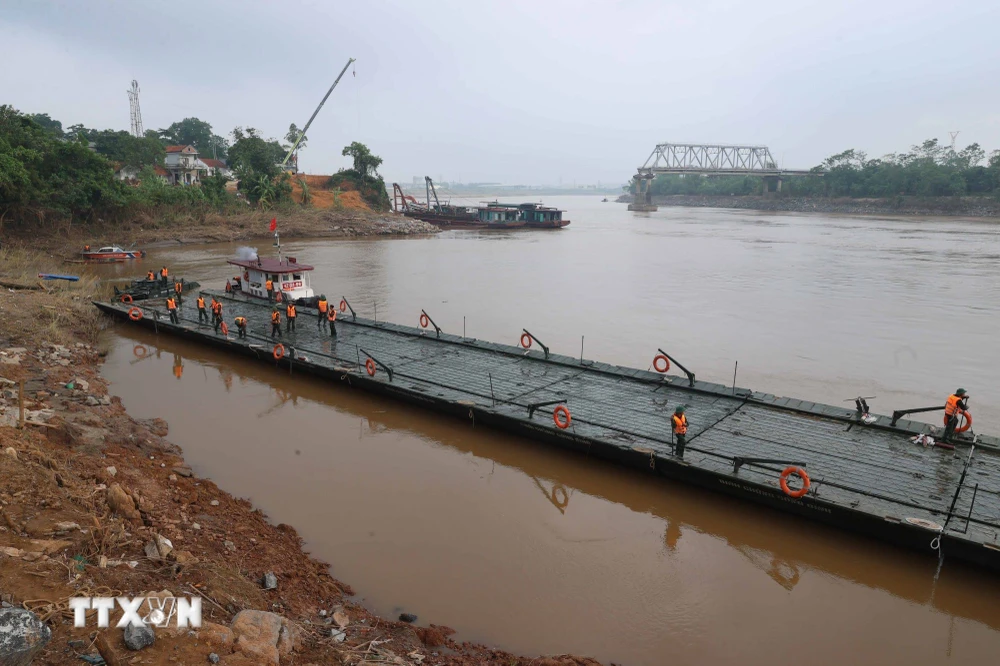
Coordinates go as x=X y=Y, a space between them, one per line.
x=274 y=224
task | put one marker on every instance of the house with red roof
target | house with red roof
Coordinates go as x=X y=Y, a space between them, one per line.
x=183 y=166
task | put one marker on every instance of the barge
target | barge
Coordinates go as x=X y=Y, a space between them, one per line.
x=867 y=475
x=490 y=215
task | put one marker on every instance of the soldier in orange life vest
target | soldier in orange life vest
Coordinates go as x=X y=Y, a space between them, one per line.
x=202 y=315
x=216 y=314
x=150 y=275
x=289 y=317
x=241 y=327
x=269 y=286
x=172 y=310
x=956 y=405
x=680 y=426
x=237 y=283
x=331 y=318
x=322 y=306
x=163 y=274
x=179 y=290
x=275 y=323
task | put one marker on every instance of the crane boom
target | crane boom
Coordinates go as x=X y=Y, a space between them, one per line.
x=302 y=133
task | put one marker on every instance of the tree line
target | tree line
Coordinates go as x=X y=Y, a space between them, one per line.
x=47 y=171
x=926 y=170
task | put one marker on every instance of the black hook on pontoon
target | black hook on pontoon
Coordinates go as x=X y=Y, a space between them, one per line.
x=437 y=328
x=354 y=317
x=540 y=343
x=690 y=375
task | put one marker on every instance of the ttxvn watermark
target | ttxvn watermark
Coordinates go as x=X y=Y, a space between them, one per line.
x=138 y=611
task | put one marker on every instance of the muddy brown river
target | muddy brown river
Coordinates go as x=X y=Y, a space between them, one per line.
x=543 y=552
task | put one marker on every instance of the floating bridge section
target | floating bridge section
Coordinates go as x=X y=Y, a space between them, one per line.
x=709 y=159
x=866 y=477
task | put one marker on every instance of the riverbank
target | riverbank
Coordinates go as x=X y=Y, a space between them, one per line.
x=67 y=240
x=97 y=503
x=950 y=206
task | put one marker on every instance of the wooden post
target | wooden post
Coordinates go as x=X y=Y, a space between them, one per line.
x=20 y=400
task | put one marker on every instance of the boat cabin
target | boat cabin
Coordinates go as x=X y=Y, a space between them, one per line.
x=289 y=277
x=538 y=213
x=498 y=213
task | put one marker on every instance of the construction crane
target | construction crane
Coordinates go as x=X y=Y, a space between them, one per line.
x=313 y=116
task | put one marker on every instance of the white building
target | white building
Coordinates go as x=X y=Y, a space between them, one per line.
x=183 y=166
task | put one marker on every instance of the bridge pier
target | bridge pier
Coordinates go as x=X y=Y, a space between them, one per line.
x=772 y=185
x=642 y=200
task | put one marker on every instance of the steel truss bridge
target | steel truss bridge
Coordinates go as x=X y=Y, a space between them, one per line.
x=709 y=159
x=715 y=160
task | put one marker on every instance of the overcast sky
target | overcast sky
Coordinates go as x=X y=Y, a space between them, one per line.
x=521 y=91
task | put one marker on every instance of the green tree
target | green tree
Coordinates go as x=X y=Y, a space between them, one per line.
x=48 y=124
x=120 y=146
x=255 y=161
x=365 y=164
x=293 y=134
x=197 y=133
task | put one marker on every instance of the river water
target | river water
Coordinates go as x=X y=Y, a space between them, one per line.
x=544 y=552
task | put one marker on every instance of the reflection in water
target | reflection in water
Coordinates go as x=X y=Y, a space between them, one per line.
x=783 y=550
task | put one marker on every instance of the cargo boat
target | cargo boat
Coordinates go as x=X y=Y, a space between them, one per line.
x=867 y=474
x=490 y=215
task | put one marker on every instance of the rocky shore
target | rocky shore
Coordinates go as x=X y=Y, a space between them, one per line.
x=911 y=206
x=96 y=503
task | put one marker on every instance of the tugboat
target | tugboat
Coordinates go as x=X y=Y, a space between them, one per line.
x=289 y=277
x=110 y=254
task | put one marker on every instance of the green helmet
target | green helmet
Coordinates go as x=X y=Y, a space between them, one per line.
x=322 y=297
x=679 y=410
x=960 y=391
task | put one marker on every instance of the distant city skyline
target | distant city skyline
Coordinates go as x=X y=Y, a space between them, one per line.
x=571 y=92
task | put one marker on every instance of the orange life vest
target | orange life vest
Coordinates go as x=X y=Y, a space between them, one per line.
x=951 y=406
x=241 y=321
x=322 y=306
x=680 y=424
x=201 y=303
x=290 y=311
x=150 y=275
x=229 y=287
x=275 y=318
x=178 y=287
x=163 y=272
x=332 y=315
x=216 y=307
x=171 y=303
x=269 y=285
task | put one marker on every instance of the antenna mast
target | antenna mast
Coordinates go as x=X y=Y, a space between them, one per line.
x=953 y=136
x=134 y=112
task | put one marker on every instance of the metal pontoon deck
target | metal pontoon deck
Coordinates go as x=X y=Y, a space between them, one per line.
x=866 y=477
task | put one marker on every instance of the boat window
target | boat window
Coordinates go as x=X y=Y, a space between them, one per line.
x=106 y=249
x=296 y=276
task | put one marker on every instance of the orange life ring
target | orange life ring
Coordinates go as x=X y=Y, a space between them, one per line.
x=279 y=351
x=968 y=422
x=656 y=363
x=424 y=320
x=525 y=340
x=343 y=305
x=126 y=298
x=140 y=351
x=370 y=367
x=225 y=329
x=561 y=416
x=799 y=472
x=134 y=313
x=246 y=276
